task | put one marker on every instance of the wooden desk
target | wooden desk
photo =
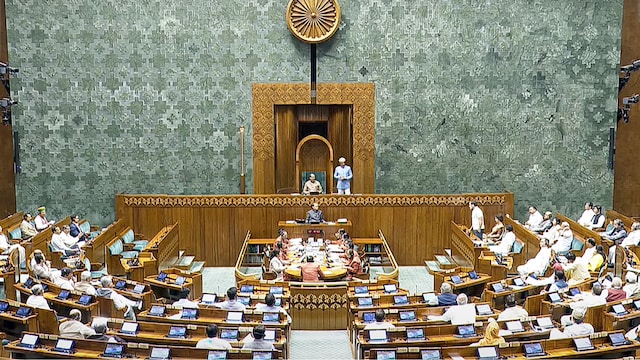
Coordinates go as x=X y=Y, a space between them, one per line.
x=63 y=307
x=95 y=248
x=15 y=325
x=327 y=272
x=612 y=322
x=471 y=287
x=487 y=264
x=147 y=266
x=8 y=274
x=329 y=229
x=497 y=299
x=164 y=245
x=463 y=250
x=169 y=289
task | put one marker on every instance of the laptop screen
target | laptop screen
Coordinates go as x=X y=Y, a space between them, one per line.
x=378 y=335
x=245 y=300
x=217 y=355
x=484 y=309
x=160 y=353
x=415 y=333
x=487 y=352
x=276 y=290
x=138 y=289
x=518 y=282
x=29 y=283
x=554 y=297
x=247 y=289
x=157 y=310
x=261 y=355
x=64 y=294
x=619 y=309
x=497 y=287
x=617 y=339
x=430 y=354
x=400 y=299
x=188 y=313
x=636 y=303
x=234 y=316
x=29 y=340
x=23 y=311
x=129 y=328
x=407 y=315
x=121 y=284
x=178 y=331
x=368 y=317
x=583 y=343
x=473 y=275
x=229 y=334
x=544 y=322
x=428 y=297
x=64 y=345
x=365 y=301
x=4 y=305
x=574 y=291
x=271 y=317
x=390 y=288
x=114 y=349
x=514 y=326
x=385 y=355
x=362 y=289
x=456 y=279
x=466 y=330
x=180 y=280
x=208 y=298
x=269 y=335
x=162 y=276
x=533 y=349
x=85 y=299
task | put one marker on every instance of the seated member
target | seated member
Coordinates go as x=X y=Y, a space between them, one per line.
x=588 y=252
x=310 y=271
x=36 y=299
x=232 y=302
x=276 y=265
x=184 y=301
x=512 y=311
x=6 y=248
x=27 y=228
x=380 y=322
x=576 y=271
x=212 y=341
x=74 y=328
x=597 y=222
x=355 y=264
x=69 y=240
x=618 y=235
x=66 y=280
x=545 y=224
x=74 y=229
x=631 y=288
x=587 y=300
x=492 y=334
x=101 y=329
x=461 y=314
x=565 y=238
x=587 y=215
x=270 y=306
x=40 y=221
x=446 y=296
x=508 y=239
x=616 y=292
x=598 y=260
x=84 y=285
x=312 y=186
x=535 y=218
x=42 y=267
x=578 y=328
x=258 y=342
x=315 y=214
x=58 y=244
x=560 y=281
x=538 y=265
x=498 y=228
x=120 y=302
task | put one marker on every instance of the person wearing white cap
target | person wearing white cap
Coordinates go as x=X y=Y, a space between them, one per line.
x=344 y=175
x=577 y=328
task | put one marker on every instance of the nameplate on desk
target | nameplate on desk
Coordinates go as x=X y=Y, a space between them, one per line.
x=290 y=222
x=132 y=345
x=599 y=335
x=143 y=346
x=627 y=301
x=192 y=327
x=505 y=344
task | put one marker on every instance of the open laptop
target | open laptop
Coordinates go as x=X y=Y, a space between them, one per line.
x=408 y=315
x=456 y=279
x=23 y=312
x=217 y=355
x=129 y=328
x=276 y=290
x=4 y=306
x=261 y=355
x=533 y=349
x=545 y=322
x=368 y=317
x=246 y=289
x=113 y=350
x=385 y=355
x=160 y=353
x=270 y=317
x=270 y=335
x=157 y=310
x=121 y=284
x=583 y=344
x=244 y=300
x=361 y=290
x=85 y=300
x=65 y=346
x=177 y=332
x=365 y=301
x=466 y=331
x=415 y=334
x=229 y=334
x=618 y=339
x=378 y=335
x=180 y=280
x=29 y=283
x=208 y=299
x=235 y=316
x=64 y=294
x=574 y=291
x=190 y=314
x=514 y=326
x=554 y=297
x=619 y=310
x=162 y=276
x=138 y=289
x=487 y=353
x=497 y=287
x=473 y=275
x=636 y=303
x=390 y=288
x=400 y=300
x=430 y=354
x=484 y=309
x=428 y=297
x=518 y=282
x=30 y=341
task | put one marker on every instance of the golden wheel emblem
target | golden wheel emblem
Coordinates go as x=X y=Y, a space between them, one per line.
x=313 y=21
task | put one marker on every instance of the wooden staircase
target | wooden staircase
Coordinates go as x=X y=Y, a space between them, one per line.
x=186 y=263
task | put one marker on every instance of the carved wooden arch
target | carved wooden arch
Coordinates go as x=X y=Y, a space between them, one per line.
x=328 y=167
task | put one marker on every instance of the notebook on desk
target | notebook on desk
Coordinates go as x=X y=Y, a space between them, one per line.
x=583 y=344
x=385 y=355
x=533 y=349
x=29 y=341
x=456 y=279
x=138 y=289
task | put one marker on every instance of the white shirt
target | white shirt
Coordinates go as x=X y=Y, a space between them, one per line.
x=379 y=326
x=4 y=242
x=586 y=218
x=58 y=244
x=477 y=219
x=458 y=315
x=277 y=266
x=38 y=302
x=539 y=263
x=65 y=283
x=506 y=244
x=41 y=223
x=597 y=225
x=233 y=305
x=513 y=313
x=68 y=239
x=213 y=344
x=185 y=303
x=587 y=300
x=534 y=219
x=632 y=239
x=586 y=257
x=564 y=241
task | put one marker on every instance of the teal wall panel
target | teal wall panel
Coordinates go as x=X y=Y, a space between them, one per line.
x=147 y=96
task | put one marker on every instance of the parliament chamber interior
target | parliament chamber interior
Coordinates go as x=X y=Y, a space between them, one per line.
x=319 y=179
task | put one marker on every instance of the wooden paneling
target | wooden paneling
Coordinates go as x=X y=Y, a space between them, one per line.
x=285 y=145
x=626 y=197
x=7 y=177
x=213 y=227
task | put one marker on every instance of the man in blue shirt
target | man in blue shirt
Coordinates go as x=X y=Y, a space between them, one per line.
x=344 y=175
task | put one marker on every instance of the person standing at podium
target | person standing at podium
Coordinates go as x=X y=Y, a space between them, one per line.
x=344 y=175
x=314 y=216
x=312 y=186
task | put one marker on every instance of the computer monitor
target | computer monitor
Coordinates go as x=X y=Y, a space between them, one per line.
x=261 y=355
x=4 y=306
x=514 y=326
x=484 y=309
x=400 y=299
x=473 y=275
x=23 y=311
x=430 y=354
x=29 y=283
x=518 y=282
x=160 y=353
x=64 y=294
x=636 y=303
x=385 y=355
x=180 y=280
x=429 y=297
x=619 y=309
x=113 y=350
x=574 y=291
x=361 y=290
x=466 y=330
x=64 y=345
x=378 y=335
x=583 y=344
x=130 y=328
x=554 y=297
x=217 y=355
x=121 y=284
x=189 y=313
x=138 y=289
x=235 y=316
x=29 y=341
x=390 y=288
x=497 y=287
x=414 y=334
x=408 y=315
x=278 y=302
x=229 y=334
x=456 y=279
x=246 y=289
x=85 y=300
x=271 y=317
x=487 y=353
x=178 y=331
x=270 y=335
x=545 y=322
x=365 y=301
x=368 y=317
x=618 y=339
x=208 y=299
x=162 y=276
x=245 y=300
x=157 y=310
x=276 y=290
x=533 y=349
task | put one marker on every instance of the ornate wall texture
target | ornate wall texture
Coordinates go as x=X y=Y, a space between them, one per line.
x=147 y=96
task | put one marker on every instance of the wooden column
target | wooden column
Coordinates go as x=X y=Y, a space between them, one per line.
x=7 y=177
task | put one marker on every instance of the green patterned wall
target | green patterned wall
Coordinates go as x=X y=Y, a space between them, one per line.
x=471 y=96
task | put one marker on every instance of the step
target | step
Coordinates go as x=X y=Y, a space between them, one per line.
x=169 y=263
x=197 y=267
x=184 y=263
